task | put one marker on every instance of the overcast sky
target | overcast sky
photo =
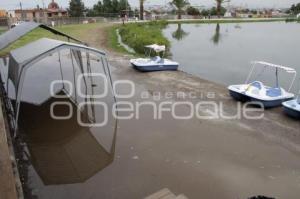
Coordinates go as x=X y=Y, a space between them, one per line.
x=12 y=4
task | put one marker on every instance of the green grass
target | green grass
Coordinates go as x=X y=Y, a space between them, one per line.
x=2 y=30
x=77 y=31
x=113 y=39
x=137 y=35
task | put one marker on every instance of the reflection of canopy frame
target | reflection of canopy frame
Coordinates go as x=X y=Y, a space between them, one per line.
x=57 y=46
x=59 y=136
x=276 y=67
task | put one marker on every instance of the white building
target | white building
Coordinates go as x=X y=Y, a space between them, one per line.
x=228 y=14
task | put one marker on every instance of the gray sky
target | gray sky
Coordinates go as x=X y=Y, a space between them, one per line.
x=12 y=4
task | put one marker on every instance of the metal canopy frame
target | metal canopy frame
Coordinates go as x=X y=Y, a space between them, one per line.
x=19 y=31
x=276 y=67
x=155 y=48
x=58 y=48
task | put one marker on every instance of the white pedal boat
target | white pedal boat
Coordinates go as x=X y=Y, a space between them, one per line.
x=155 y=63
x=258 y=92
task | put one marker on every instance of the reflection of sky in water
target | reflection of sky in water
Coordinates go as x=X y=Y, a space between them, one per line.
x=62 y=151
x=222 y=54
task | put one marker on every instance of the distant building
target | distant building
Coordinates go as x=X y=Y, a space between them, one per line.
x=11 y=14
x=278 y=13
x=38 y=14
x=228 y=14
x=55 y=11
x=3 y=13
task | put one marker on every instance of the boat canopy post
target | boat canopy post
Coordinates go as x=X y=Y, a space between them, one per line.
x=277 y=67
x=277 y=79
x=293 y=80
x=250 y=73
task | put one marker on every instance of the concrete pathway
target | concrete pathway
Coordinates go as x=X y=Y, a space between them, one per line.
x=7 y=179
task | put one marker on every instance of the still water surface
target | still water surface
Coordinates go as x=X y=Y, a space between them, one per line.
x=222 y=52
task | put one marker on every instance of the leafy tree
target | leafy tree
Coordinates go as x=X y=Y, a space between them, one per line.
x=179 y=4
x=295 y=9
x=107 y=6
x=205 y=12
x=214 y=11
x=115 y=6
x=192 y=11
x=124 y=5
x=76 y=8
x=97 y=8
x=219 y=6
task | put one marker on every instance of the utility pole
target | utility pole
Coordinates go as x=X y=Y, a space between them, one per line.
x=44 y=12
x=21 y=11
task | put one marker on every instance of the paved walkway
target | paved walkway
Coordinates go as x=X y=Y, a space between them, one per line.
x=7 y=179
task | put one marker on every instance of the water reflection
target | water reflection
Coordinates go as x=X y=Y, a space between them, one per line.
x=179 y=34
x=238 y=26
x=217 y=36
x=61 y=151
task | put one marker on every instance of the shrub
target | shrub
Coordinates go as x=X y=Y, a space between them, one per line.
x=139 y=35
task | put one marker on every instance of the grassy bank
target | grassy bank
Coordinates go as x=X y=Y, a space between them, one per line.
x=77 y=31
x=138 y=35
x=112 y=39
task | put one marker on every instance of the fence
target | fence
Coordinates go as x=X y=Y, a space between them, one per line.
x=7 y=22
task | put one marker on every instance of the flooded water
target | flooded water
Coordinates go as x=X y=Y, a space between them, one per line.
x=222 y=52
x=130 y=159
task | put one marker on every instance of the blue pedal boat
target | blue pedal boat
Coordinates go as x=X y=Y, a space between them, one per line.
x=256 y=91
x=155 y=63
x=292 y=107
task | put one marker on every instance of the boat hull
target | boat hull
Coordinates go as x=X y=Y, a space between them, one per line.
x=291 y=111
x=155 y=68
x=266 y=103
x=239 y=96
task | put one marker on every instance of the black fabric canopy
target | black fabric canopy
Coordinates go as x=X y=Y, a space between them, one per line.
x=17 y=32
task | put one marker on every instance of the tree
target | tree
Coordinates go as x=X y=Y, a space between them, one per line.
x=219 y=6
x=97 y=8
x=205 y=12
x=115 y=6
x=180 y=4
x=295 y=9
x=76 y=8
x=142 y=9
x=107 y=6
x=214 y=11
x=217 y=36
x=192 y=11
x=124 y=5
